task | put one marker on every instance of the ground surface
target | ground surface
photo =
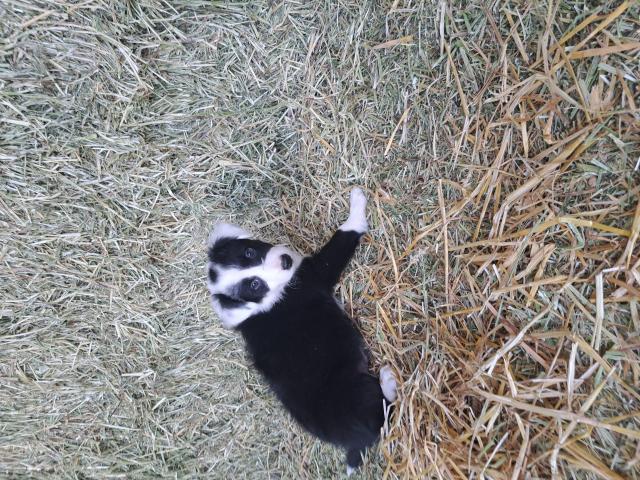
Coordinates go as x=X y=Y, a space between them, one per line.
x=129 y=128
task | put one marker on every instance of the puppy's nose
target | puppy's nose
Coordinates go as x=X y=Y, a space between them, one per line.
x=286 y=261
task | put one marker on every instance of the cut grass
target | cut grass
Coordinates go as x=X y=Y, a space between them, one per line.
x=499 y=144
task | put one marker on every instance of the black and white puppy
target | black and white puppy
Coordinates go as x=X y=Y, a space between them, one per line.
x=299 y=337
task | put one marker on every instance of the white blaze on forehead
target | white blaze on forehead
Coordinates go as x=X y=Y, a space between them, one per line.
x=226 y=230
x=270 y=271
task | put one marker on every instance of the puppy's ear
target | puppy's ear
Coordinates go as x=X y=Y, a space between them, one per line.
x=226 y=230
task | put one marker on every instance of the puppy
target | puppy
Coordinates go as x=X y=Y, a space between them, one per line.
x=298 y=335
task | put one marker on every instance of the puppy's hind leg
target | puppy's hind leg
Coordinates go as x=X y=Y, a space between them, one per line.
x=388 y=384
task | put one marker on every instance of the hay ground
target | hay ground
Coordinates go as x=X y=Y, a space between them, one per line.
x=500 y=146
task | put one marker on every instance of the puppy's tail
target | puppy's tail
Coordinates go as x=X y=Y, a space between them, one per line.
x=354 y=459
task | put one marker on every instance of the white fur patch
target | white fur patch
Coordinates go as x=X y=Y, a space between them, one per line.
x=270 y=271
x=388 y=383
x=226 y=230
x=357 y=221
x=231 y=317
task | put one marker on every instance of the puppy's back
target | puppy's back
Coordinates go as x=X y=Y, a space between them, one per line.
x=310 y=352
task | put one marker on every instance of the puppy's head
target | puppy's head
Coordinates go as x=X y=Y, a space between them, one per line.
x=246 y=276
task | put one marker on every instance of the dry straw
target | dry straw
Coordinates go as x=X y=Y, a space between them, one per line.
x=498 y=142
x=527 y=366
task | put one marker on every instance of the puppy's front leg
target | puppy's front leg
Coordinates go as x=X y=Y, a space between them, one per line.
x=331 y=260
x=357 y=221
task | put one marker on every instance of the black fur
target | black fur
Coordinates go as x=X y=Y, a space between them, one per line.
x=228 y=302
x=233 y=252
x=213 y=275
x=314 y=358
x=252 y=289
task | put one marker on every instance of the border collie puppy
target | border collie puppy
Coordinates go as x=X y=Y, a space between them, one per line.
x=299 y=337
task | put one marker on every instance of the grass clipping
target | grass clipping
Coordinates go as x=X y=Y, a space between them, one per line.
x=527 y=366
x=498 y=142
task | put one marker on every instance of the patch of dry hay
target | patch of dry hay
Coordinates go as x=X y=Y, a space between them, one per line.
x=499 y=146
x=524 y=364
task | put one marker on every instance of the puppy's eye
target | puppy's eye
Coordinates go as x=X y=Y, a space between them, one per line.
x=255 y=284
x=250 y=253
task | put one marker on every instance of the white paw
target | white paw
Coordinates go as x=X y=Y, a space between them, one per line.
x=388 y=383
x=357 y=199
x=350 y=471
x=357 y=221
